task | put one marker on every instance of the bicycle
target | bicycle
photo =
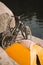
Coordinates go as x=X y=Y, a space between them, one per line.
x=10 y=37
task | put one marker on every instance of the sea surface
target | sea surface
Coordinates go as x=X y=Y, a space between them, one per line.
x=36 y=26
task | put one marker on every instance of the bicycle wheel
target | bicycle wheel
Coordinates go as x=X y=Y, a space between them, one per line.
x=6 y=41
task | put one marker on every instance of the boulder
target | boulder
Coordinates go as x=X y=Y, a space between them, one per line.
x=5 y=9
x=6 y=17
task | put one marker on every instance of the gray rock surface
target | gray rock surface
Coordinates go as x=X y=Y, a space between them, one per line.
x=5 y=9
x=5 y=17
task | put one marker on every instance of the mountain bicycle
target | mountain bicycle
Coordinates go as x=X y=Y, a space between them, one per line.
x=9 y=37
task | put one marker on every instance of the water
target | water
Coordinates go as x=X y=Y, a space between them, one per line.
x=36 y=26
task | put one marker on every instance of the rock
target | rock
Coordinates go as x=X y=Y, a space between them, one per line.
x=5 y=59
x=5 y=17
x=27 y=43
x=5 y=9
